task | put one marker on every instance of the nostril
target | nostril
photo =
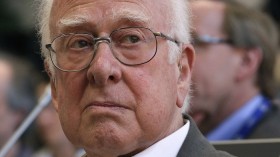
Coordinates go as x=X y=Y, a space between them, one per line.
x=111 y=77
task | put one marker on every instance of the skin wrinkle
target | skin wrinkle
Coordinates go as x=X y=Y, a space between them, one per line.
x=182 y=26
x=87 y=16
x=124 y=14
x=118 y=15
x=141 y=87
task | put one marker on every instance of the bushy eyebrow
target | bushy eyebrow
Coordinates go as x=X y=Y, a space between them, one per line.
x=117 y=15
x=134 y=16
x=73 y=21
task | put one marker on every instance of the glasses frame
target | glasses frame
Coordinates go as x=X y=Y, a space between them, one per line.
x=108 y=40
x=207 y=39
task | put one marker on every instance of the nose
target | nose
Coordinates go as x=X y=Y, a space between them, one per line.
x=104 y=68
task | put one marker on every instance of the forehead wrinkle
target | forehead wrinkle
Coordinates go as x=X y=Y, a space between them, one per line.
x=115 y=15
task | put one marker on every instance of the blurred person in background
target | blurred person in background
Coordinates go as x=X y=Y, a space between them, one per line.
x=17 y=97
x=272 y=8
x=53 y=141
x=233 y=77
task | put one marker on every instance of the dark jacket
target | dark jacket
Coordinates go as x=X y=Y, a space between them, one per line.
x=196 y=145
x=269 y=126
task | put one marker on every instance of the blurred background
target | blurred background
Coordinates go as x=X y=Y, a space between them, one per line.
x=18 y=32
x=22 y=64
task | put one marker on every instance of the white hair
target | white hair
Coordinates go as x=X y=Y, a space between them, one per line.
x=179 y=27
x=44 y=11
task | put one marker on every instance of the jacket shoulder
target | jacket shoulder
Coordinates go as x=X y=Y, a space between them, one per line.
x=269 y=126
x=196 y=145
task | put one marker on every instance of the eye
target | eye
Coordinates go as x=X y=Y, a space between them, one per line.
x=79 y=42
x=130 y=39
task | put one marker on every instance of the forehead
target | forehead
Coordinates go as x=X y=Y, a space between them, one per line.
x=208 y=17
x=104 y=13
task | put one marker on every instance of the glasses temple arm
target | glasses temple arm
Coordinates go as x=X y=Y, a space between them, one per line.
x=166 y=37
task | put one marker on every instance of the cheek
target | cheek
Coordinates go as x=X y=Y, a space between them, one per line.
x=154 y=96
x=70 y=90
x=70 y=124
x=214 y=66
x=204 y=70
x=209 y=74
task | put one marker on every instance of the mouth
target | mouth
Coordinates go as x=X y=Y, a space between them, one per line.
x=105 y=105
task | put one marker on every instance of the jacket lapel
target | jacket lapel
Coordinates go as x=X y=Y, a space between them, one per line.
x=195 y=144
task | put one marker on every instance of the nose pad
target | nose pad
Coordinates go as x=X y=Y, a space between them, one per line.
x=97 y=41
x=100 y=40
x=103 y=69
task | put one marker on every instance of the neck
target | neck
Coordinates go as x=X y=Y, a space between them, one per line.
x=231 y=104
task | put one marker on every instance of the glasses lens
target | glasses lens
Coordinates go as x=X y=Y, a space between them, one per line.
x=72 y=52
x=133 y=46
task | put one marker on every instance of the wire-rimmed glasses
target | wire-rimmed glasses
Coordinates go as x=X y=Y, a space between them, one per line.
x=131 y=46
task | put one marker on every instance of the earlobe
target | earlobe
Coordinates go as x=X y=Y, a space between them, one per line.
x=185 y=65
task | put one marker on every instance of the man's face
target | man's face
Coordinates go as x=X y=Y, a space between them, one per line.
x=216 y=65
x=110 y=108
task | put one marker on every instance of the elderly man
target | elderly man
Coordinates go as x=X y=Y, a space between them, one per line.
x=233 y=76
x=120 y=74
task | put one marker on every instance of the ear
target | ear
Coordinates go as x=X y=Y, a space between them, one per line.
x=251 y=60
x=185 y=66
x=53 y=85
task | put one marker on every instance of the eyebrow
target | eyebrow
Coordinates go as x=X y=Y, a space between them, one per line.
x=119 y=15
x=134 y=16
x=73 y=21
